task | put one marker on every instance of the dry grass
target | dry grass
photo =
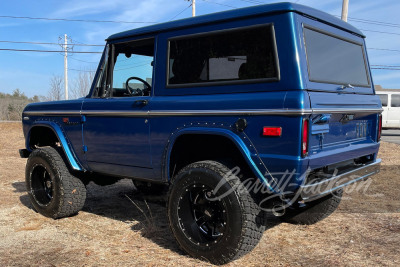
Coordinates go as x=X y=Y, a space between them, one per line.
x=111 y=231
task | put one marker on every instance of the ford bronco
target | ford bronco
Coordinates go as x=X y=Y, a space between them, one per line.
x=261 y=110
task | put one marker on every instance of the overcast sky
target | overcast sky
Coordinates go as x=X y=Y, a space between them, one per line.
x=31 y=72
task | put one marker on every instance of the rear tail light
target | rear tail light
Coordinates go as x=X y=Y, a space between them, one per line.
x=304 y=138
x=379 y=128
x=272 y=131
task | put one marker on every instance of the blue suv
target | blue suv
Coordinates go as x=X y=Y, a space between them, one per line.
x=261 y=110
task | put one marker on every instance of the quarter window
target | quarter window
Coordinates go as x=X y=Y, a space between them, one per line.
x=223 y=57
x=395 y=102
x=384 y=100
x=334 y=60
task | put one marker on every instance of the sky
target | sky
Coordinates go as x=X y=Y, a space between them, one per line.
x=31 y=72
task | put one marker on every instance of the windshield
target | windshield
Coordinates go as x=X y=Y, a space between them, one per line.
x=334 y=60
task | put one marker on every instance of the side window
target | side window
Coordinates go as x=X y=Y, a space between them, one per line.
x=395 y=100
x=384 y=100
x=223 y=56
x=133 y=68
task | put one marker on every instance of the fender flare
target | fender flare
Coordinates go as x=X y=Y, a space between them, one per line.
x=72 y=160
x=237 y=141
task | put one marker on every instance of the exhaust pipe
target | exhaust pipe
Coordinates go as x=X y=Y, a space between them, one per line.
x=278 y=209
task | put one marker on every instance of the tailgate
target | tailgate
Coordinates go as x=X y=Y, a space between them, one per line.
x=343 y=127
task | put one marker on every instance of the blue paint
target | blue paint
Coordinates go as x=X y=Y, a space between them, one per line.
x=242 y=13
x=64 y=143
x=110 y=139
x=237 y=140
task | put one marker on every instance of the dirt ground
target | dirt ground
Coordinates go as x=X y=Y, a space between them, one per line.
x=111 y=231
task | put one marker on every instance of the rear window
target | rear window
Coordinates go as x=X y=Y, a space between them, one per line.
x=395 y=101
x=334 y=60
x=232 y=56
x=384 y=100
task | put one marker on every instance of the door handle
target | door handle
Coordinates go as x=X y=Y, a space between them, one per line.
x=142 y=102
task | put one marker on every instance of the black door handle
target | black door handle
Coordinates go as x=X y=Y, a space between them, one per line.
x=142 y=102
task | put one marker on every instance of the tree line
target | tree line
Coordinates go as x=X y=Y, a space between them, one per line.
x=12 y=105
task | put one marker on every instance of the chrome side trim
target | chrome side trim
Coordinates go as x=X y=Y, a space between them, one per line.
x=285 y=112
x=347 y=110
x=52 y=113
x=160 y=113
x=119 y=113
x=313 y=191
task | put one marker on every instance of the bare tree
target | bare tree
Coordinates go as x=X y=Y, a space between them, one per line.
x=81 y=84
x=12 y=105
x=56 y=89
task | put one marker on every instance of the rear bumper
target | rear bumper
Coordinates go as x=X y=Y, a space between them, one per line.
x=311 y=191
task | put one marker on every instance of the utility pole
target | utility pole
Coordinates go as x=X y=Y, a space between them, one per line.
x=66 y=65
x=345 y=10
x=193 y=7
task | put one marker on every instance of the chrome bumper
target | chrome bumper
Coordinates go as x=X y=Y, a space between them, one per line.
x=313 y=191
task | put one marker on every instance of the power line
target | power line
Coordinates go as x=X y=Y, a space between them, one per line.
x=99 y=45
x=385 y=49
x=253 y=2
x=382 y=23
x=133 y=67
x=79 y=20
x=47 y=51
x=44 y=43
x=181 y=12
x=392 y=33
x=373 y=22
x=385 y=68
x=389 y=66
x=220 y=4
x=91 y=62
x=82 y=70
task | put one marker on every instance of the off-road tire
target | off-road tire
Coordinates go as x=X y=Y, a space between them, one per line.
x=244 y=219
x=313 y=211
x=68 y=193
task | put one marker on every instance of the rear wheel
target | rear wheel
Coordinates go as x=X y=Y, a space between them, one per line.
x=314 y=211
x=53 y=191
x=216 y=224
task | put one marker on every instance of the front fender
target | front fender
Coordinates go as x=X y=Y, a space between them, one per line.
x=72 y=160
x=239 y=139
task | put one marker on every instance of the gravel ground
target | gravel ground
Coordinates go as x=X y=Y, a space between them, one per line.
x=111 y=231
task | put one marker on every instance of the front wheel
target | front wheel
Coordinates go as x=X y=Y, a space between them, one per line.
x=211 y=216
x=54 y=192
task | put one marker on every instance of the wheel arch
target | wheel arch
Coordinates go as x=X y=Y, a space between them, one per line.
x=48 y=133
x=221 y=134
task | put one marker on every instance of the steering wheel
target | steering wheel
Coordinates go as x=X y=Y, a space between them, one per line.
x=137 y=91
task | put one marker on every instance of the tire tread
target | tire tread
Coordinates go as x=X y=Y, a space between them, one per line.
x=253 y=225
x=73 y=191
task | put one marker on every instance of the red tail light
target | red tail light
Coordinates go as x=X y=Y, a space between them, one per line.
x=272 y=131
x=304 y=138
x=379 y=128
